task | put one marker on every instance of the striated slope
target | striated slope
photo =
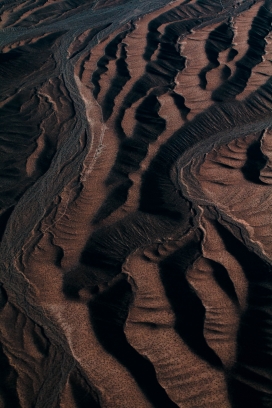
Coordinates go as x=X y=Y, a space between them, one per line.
x=135 y=208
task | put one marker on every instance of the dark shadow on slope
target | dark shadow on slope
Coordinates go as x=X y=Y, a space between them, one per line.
x=255 y=162
x=188 y=308
x=251 y=382
x=8 y=381
x=108 y=313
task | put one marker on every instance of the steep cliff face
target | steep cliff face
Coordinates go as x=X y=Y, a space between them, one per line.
x=136 y=229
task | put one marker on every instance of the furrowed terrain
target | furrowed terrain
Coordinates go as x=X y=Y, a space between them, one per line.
x=136 y=202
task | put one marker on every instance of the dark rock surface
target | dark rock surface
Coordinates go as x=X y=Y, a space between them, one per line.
x=135 y=206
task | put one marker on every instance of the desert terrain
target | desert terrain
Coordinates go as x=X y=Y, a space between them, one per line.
x=136 y=210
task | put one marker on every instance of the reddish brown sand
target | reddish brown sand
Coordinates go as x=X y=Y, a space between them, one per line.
x=136 y=199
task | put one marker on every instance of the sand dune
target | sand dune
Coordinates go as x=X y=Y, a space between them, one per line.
x=135 y=217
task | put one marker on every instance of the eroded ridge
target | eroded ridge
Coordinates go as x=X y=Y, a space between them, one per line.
x=135 y=213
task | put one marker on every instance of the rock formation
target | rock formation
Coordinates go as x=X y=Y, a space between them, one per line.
x=136 y=227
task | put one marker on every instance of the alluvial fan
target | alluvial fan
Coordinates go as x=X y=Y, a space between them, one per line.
x=136 y=199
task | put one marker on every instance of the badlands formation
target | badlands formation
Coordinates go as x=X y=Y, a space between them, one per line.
x=136 y=236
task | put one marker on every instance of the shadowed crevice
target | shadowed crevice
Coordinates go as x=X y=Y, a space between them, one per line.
x=108 y=315
x=236 y=84
x=188 y=308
